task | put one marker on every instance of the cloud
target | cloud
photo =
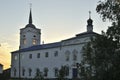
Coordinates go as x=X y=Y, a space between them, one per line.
x=5 y=49
x=7 y=45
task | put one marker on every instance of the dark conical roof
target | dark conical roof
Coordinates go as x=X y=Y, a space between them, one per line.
x=30 y=17
x=30 y=21
x=89 y=21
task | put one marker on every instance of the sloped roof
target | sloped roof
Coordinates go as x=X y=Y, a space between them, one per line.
x=56 y=44
x=82 y=35
x=40 y=47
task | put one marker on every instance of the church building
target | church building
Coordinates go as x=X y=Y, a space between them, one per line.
x=33 y=57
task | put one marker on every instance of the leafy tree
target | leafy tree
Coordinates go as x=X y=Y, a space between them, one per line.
x=63 y=72
x=39 y=75
x=109 y=9
x=101 y=56
x=97 y=58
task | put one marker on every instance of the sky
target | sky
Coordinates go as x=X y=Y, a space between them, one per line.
x=57 y=19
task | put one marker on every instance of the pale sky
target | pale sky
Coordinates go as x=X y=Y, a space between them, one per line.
x=57 y=19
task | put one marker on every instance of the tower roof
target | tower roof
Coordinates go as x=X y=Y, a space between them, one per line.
x=30 y=17
x=30 y=20
x=89 y=21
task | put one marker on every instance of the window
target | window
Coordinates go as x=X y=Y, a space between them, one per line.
x=67 y=55
x=45 y=72
x=75 y=55
x=15 y=57
x=66 y=70
x=46 y=54
x=23 y=35
x=56 y=53
x=34 y=36
x=15 y=72
x=38 y=72
x=23 y=72
x=24 y=41
x=56 y=72
x=30 y=56
x=30 y=71
x=34 y=42
x=22 y=56
x=38 y=55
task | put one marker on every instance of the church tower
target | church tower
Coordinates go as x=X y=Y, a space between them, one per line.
x=30 y=35
x=89 y=23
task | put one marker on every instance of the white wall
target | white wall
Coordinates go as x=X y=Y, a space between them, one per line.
x=28 y=35
x=50 y=62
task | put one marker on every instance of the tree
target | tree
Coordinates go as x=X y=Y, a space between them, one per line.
x=97 y=58
x=101 y=58
x=63 y=72
x=110 y=9
x=39 y=75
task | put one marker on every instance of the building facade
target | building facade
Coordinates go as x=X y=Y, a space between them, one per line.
x=33 y=56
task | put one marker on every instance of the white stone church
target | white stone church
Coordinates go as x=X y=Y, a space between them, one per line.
x=33 y=56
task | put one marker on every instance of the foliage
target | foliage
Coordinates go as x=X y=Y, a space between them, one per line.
x=39 y=75
x=109 y=9
x=63 y=72
x=98 y=58
x=101 y=56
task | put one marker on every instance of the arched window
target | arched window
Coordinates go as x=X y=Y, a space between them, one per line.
x=67 y=55
x=24 y=41
x=75 y=52
x=34 y=41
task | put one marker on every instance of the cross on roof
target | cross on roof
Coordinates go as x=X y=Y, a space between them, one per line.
x=89 y=14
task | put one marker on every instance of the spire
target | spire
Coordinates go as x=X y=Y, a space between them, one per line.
x=30 y=16
x=30 y=19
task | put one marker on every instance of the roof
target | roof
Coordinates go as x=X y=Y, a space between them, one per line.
x=56 y=44
x=82 y=35
x=40 y=47
x=30 y=25
x=30 y=21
